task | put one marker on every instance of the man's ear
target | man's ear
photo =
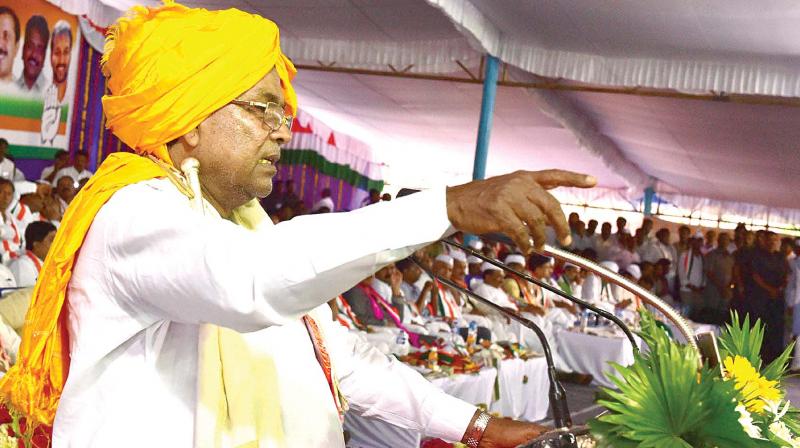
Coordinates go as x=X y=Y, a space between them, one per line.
x=191 y=139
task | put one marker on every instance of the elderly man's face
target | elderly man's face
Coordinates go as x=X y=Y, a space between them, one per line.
x=65 y=188
x=33 y=52
x=59 y=57
x=8 y=45
x=493 y=278
x=236 y=150
x=459 y=268
x=442 y=269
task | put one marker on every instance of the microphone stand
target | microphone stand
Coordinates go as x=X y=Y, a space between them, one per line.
x=558 y=396
x=551 y=288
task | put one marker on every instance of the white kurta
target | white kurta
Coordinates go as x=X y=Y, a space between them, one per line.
x=25 y=269
x=72 y=172
x=151 y=269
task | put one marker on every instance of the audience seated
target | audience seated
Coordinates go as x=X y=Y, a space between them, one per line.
x=39 y=236
x=77 y=171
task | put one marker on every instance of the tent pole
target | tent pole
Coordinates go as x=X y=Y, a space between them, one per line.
x=487 y=109
x=485 y=125
x=649 y=193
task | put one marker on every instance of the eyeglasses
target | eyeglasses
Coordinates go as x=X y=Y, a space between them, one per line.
x=274 y=115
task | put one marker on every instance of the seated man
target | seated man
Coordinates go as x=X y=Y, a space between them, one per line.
x=570 y=280
x=38 y=237
x=77 y=171
x=517 y=288
x=474 y=272
x=10 y=234
x=459 y=274
x=344 y=315
x=375 y=302
x=438 y=299
x=558 y=311
x=411 y=275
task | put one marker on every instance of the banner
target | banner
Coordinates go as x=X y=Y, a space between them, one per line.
x=38 y=61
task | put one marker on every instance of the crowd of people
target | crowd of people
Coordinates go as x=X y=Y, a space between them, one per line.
x=284 y=204
x=703 y=275
x=32 y=211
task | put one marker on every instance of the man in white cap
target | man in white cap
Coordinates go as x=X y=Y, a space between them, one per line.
x=491 y=286
x=518 y=289
x=474 y=272
x=459 y=274
x=691 y=277
x=438 y=298
x=570 y=280
x=325 y=203
x=491 y=289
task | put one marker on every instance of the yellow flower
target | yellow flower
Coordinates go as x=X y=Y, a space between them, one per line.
x=755 y=389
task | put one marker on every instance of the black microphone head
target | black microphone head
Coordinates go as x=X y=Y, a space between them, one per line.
x=577 y=437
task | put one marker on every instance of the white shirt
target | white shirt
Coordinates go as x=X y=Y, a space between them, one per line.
x=25 y=269
x=48 y=170
x=495 y=295
x=151 y=270
x=604 y=247
x=656 y=250
x=21 y=215
x=450 y=301
x=9 y=171
x=793 y=283
x=71 y=172
x=324 y=202
x=690 y=270
x=38 y=86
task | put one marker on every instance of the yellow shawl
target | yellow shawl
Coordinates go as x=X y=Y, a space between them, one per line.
x=168 y=69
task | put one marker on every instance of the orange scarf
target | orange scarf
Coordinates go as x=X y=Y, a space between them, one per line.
x=34 y=384
x=168 y=69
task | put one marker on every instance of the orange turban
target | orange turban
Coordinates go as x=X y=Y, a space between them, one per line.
x=168 y=69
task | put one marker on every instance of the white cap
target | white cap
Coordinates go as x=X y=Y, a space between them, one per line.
x=476 y=244
x=486 y=266
x=474 y=260
x=324 y=202
x=610 y=265
x=634 y=271
x=446 y=259
x=570 y=265
x=515 y=258
x=699 y=234
x=459 y=255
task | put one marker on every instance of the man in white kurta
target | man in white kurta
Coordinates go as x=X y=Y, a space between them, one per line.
x=135 y=321
x=155 y=273
x=38 y=237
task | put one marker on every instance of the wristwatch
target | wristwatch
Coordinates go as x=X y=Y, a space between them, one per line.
x=475 y=433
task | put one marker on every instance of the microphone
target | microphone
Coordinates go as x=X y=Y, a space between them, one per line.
x=558 y=396
x=551 y=288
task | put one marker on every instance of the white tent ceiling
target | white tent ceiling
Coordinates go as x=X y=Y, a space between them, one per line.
x=425 y=130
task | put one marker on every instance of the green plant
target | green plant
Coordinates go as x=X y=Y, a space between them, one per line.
x=665 y=401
